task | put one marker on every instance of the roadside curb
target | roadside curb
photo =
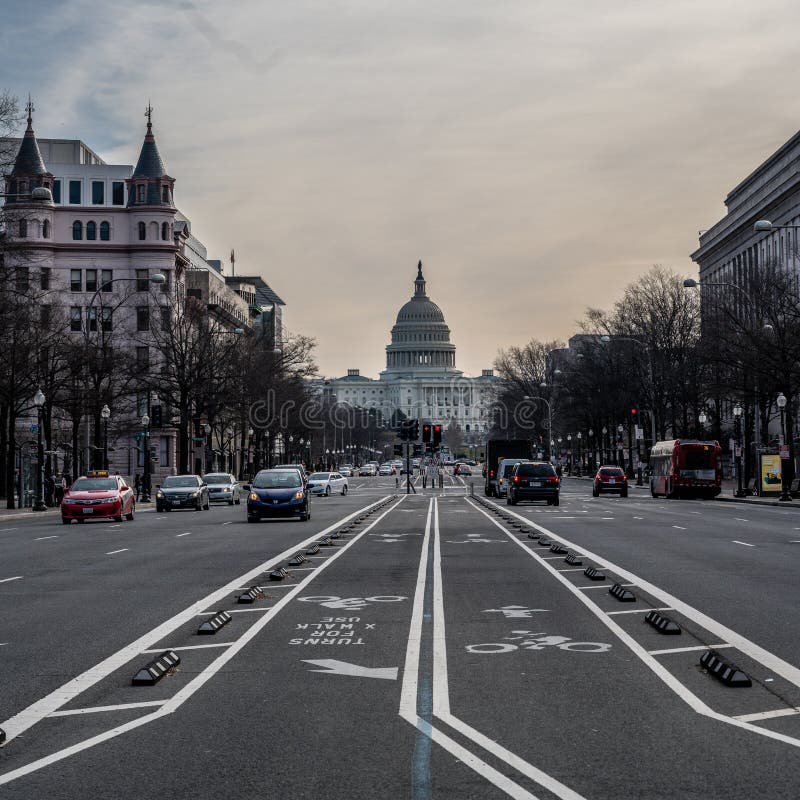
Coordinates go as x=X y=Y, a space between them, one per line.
x=30 y=515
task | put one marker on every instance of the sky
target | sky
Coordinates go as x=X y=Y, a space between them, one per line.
x=536 y=156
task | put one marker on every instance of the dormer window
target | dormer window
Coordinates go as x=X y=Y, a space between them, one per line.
x=165 y=194
x=140 y=196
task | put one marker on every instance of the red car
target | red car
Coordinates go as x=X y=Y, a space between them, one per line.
x=98 y=495
x=610 y=479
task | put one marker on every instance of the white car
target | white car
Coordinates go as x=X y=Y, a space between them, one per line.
x=346 y=472
x=326 y=483
x=368 y=470
x=386 y=469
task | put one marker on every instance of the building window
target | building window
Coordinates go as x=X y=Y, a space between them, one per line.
x=106 y=276
x=77 y=230
x=142 y=231
x=98 y=193
x=166 y=319
x=142 y=318
x=140 y=193
x=107 y=318
x=164 y=231
x=46 y=229
x=143 y=357
x=105 y=231
x=75 y=318
x=23 y=228
x=91 y=280
x=91 y=318
x=165 y=451
x=22 y=279
x=44 y=316
x=75 y=280
x=165 y=286
x=44 y=278
x=165 y=194
x=75 y=193
x=142 y=280
x=91 y=231
x=57 y=190
x=118 y=193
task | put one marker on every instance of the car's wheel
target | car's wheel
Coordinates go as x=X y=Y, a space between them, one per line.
x=595 y=493
x=159 y=509
x=327 y=491
x=198 y=505
x=251 y=518
x=81 y=520
x=118 y=518
x=344 y=490
x=555 y=500
x=129 y=515
x=231 y=501
x=512 y=500
x=624 y=494
x=65 y=521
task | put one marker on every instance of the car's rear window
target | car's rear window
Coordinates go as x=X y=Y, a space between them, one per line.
x=319 y=476
x=508 y=468
x=181 y=481
x=217 y=479
x=613 y=472
x=536 y=470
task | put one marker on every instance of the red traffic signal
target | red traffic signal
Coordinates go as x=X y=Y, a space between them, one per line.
x=426 y=433
x=633 y=412
x=437 y=434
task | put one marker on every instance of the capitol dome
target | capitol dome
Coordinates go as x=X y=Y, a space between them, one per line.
x=420 y=338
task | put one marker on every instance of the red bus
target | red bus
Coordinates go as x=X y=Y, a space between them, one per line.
x=686 y=468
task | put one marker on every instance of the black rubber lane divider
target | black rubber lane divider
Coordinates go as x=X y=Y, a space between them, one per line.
x=545 y=542
x=533 y=535
x=574 y=560
x=594 y=574
x=278 y=574
x=729 y=674
x=152 y=672
x=327 y=542
x=662 y=624
x=213 y=624
x=313 y=550
x=297 y=560
x=2 y=736
x=557 y=547
x=622 y=594
x=250 y=596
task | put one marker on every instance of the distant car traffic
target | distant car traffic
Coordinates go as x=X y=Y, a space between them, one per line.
x=299 y=467
x=98 y=495
x=533 y=480
x=222 y=488
x=386 y=469
x=462 y=469
x=346 y=472
x=279 y=492
x=368 y=470
x=610 y=479
x=504 y=469
x=326 y=483
x=182 y=491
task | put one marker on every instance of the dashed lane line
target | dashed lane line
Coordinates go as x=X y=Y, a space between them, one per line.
x=178 y=536
x=780 y=712
x=679 y=527
x=114 y=552
x=15 y=578
x=688 y=649
x=736 y=541
x=42 y=538
x=96 y=709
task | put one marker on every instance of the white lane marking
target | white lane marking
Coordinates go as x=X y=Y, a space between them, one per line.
x=736 y=541
x=606 y=518
x=227 y=523
x=29 y=716
x=554 y=558
x=688 y=649
x=638 y=517
x=781 y=712
x=441 y=692
x=97 y=709
x=572 y=569
x=42 y=538
x=260 y=609
x=15 y=578
x=679 y=527
x=638 y=610
x=114 y=552
x=769 y=660
x=178 y=536
x=739 y=519
x=111 y=527
x=3 y=530
x=332 y=666
x=188 y=647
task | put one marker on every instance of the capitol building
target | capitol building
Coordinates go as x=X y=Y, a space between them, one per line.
x=420 y=380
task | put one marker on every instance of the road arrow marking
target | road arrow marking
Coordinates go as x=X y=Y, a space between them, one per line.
x=333 y=667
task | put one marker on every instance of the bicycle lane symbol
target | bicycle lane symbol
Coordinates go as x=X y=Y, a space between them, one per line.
x=528 y=640
x=332 y=601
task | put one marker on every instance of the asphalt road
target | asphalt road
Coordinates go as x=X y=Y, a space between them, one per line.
x=433 y=650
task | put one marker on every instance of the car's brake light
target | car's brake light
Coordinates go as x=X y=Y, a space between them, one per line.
x=553 y=479
x=491 y=473
x=516 y=479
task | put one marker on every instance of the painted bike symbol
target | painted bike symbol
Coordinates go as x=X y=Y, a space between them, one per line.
x=528 y=640
x=332 y=601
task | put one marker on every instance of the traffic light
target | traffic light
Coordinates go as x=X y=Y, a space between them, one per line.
x=437 y=435
x=633 y=414
x=426 y=432
x=403 y=432
x=156 y=418
x=398 y=450
x=418 y=450
x=414 y=430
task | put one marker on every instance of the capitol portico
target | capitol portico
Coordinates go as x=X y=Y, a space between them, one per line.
x=420 y=380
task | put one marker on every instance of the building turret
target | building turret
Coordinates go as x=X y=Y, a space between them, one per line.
x=29 y=171
x=150 y=185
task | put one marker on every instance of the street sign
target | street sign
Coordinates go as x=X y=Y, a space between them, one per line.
x=639 y=433
x=737 y=452
x=783 y=451
x=33 y=428
x=198 y=438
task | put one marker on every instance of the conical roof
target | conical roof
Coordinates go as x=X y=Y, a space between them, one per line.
x=149 y=164
x=29 y=162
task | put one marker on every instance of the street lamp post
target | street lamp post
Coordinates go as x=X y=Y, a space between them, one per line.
x=146 y=451
x=206 y=446
x=105 y=413
x=702 y=418
x=549 y=419
x=580 y=454
x=289 y=454
x=785 y=494
x=592 y=445
x=571 y=458
x=603 y=445
x=38 y=504
x=737 y=432
x=621 y=459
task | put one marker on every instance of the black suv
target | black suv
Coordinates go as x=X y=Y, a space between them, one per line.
x=533 y=480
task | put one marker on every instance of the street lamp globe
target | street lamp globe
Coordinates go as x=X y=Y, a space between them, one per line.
x=580 y=435
x=591 y=433
x=145 y=420
x=39 y=398
x=542 y=385
x=207 y=428
x=291 y=438
x=737 y=410
x=702 y=418
x=569 y=437
x=762 y=226
x=781 y=400
x=158 y=278
x=620 y=428
x=105 y=412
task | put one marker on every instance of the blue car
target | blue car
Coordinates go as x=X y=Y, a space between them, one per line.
x=277 y=493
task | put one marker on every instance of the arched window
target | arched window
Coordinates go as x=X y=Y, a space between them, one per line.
x=46 y=229
x=165 y=231
x=142 y=231
x=77 y=230
x=105 y=231
x=23 y=228
x=91 y=231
